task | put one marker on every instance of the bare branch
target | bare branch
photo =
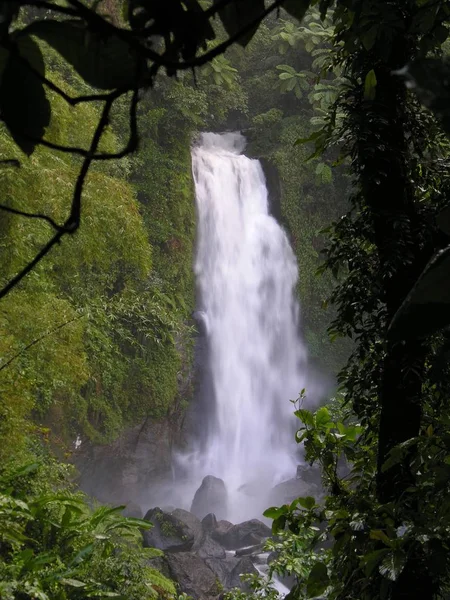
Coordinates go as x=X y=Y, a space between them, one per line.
x=160 y=59
x=73 y=222
x=22 y=213
x=39 y=339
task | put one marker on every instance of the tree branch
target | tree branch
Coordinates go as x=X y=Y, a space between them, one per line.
x=22 y=213
x=160 y=59
x=39 y=339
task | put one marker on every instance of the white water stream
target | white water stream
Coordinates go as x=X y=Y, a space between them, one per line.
x=246 y=273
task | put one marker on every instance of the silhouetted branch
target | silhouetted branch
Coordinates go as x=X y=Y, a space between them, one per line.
x=10 y=162
x=39 y=339
x=73 y=222
x=22 y=213
x=161 y=59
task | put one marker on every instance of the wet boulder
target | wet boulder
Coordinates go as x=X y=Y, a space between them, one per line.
x=248 y=533
x=206 y=547
x=211 y=497
x=190 y=520
x=193 y=576
x=168 y=533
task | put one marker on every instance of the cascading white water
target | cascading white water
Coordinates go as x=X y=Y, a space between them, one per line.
x=246 y=274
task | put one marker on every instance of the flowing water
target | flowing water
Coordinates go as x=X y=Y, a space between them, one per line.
x=246 y=275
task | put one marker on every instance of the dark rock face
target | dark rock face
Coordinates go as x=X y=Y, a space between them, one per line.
x=244 y=566
x=122 y=470
x=307 y=483
x=245 y=534
x=193 y=576
x=209 y=523
x=190 y=520
x=211 y=497
x=206 y=547
x=196 y=558
x=168 y=533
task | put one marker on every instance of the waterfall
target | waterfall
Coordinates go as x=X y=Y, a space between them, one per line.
x=246 y=274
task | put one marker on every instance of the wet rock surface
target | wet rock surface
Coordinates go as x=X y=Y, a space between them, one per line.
x=211 y=497
x=168 y=533
x=242 y=535
x=205 y=558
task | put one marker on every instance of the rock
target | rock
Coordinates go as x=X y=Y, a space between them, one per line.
x=245 y=534
x=160 y=564
x=194 y=523
x=250 y=550
x=206 y=547
x=222 y=567
x=244 y=566
x=309 y=474
x=126 y=468
x=168 y=533
x=286 y=491
x=133 y=510
x=193 y=576
x=209 y=523
x=211 y=496
x=223 y=526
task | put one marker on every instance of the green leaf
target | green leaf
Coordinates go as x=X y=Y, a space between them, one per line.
x=372 y=560
x=393 y=565
x=279 y=524
x=296 y=8
x=370 y=84
x=73 y=582
x=23 y=103
x=308 y=502
x=103 y=62
x=305 y=416
x=318 y=580
x=238 y=14
x=378 y=534
x=322 y=417
x=274 y=512
x=369 y=38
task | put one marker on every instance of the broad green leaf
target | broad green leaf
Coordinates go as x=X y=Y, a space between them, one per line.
x=369 y=38
x=103 y=62
x=305 y=416
x=278 y=524
x=392 y=565
x=73 y=582
x=322 y=417
x=372 y=560
x=274 y=512
x=378 y=534
x=238 y=14
x=370 y=84
x=23 y=103
x=308 y=502
x=318 y=580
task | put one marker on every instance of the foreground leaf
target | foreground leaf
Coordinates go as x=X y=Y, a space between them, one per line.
x=104 y=63
x=237 y=15
x=23 y=104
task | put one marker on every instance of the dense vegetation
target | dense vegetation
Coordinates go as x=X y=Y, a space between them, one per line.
x=95 y=337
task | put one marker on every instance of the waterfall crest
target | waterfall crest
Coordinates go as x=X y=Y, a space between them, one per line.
x=246 y=274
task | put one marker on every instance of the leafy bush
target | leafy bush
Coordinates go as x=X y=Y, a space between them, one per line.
x=54 y=546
